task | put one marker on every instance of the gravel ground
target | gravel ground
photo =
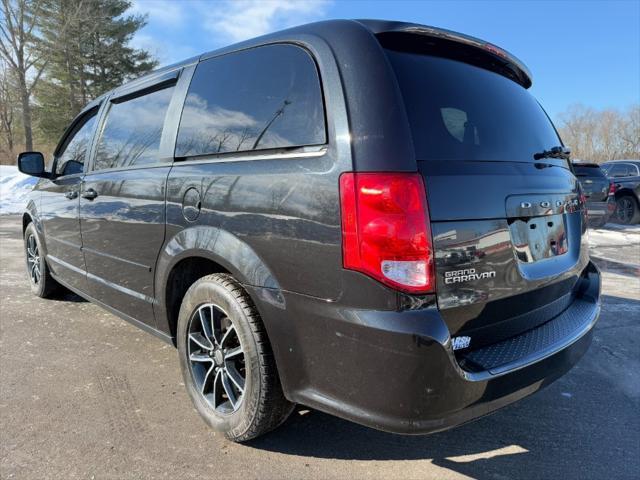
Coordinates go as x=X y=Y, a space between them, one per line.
x=85 y=395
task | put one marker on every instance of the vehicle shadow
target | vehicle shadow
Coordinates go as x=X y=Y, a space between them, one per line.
x=65 y=295
x=585 y=425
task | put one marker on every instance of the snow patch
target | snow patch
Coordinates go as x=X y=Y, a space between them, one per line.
x=614 y=235
x=14 y=189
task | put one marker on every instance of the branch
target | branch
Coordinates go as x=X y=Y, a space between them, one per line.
x=37 y=77
x=6 y=55
x=10 y=38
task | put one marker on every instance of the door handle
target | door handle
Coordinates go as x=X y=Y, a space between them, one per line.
x=71 y=194
x=89 y=194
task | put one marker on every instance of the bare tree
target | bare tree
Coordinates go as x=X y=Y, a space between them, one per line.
x=601 y=135
x=7 y=110
x=17 y=47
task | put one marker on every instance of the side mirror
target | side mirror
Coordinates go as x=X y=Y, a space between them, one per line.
x=31 y=163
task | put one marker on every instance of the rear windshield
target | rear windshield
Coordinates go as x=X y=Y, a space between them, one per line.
x=588 y=171
x=459 y=111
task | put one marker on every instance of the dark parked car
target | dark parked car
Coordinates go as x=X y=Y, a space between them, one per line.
x=374 y=219
x=599 y=192
x=626 y=177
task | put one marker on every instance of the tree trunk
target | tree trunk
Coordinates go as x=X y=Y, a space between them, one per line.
x=70 y=81
x=26 y=113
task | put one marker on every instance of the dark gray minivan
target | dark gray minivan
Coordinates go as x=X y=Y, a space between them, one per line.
x=374 y=219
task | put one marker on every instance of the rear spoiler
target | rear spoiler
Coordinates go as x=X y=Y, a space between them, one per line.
x=488 y=55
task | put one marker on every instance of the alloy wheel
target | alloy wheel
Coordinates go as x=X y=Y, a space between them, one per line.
x=216 y=358
x=33 y=259
x=625 y=209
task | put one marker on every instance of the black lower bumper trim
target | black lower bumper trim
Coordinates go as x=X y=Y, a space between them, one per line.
x=534 y=344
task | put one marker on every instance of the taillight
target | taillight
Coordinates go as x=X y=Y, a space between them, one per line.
x=611 y=204
x=385 y=229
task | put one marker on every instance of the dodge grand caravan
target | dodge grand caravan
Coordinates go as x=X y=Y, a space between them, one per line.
x=373 y=219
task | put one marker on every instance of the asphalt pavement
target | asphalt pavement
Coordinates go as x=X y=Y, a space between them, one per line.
x=85 y=395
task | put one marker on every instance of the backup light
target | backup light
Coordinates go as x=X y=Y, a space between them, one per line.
x=385 y=229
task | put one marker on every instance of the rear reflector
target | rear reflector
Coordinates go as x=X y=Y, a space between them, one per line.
x=385 y=229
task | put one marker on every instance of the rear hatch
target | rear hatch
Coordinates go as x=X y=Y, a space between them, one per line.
x=594 y=182
x=507 y=228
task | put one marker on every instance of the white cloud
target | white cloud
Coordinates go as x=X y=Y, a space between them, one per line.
x=181 y=29
x=166 y=12
x=167 y=52
x=236 y=20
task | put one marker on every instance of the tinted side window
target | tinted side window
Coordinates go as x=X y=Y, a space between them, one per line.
x=74 y=153
x=132 y=131
x=633 y=170
x=619 y=170
x=266 y=97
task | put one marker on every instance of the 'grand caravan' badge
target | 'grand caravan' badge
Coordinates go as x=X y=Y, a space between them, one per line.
x=466 y=275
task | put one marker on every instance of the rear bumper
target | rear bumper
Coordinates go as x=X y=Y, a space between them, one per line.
x=396 y=371
x=600 y=212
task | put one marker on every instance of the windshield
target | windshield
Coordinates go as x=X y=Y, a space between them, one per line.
x=459 y=111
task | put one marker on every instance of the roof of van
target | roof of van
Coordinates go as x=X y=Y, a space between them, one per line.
x=328 y=30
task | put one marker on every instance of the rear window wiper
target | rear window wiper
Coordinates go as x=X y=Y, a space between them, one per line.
x=553 y=152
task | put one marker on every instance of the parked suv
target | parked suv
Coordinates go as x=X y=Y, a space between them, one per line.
x=598 y=190
x=374 y=219
x=626 y=177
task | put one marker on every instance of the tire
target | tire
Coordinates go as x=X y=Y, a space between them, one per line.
x=42 y=283
x=260 y=405
x=627 y=211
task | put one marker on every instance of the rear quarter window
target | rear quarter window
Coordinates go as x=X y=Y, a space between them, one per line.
x=262 y=98
x=459 y=111
x=621 y=170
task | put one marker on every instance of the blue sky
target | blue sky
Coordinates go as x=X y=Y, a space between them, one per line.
x=579 y=52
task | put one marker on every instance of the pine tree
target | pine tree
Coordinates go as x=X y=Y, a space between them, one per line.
x=88 y=50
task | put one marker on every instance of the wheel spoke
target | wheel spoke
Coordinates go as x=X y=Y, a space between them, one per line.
x=236 y=378
x=206 y=327
x=200 y=357
x=231 y=330
x=216 y=387
x=202 y=341
x=233 y=352
x=228 y=389
x=205 y=379
x=216 y=325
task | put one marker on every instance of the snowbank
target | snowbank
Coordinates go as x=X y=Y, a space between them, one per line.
x=14 y=189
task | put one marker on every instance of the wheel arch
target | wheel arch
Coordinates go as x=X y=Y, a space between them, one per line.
x=195 y=252
x=625 y=191
x=26 y=220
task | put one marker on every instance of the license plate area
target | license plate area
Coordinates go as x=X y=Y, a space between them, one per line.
x=537 y=238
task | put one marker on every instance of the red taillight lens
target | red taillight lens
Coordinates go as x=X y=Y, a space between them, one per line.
x=385 y=229
x=612 y=188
